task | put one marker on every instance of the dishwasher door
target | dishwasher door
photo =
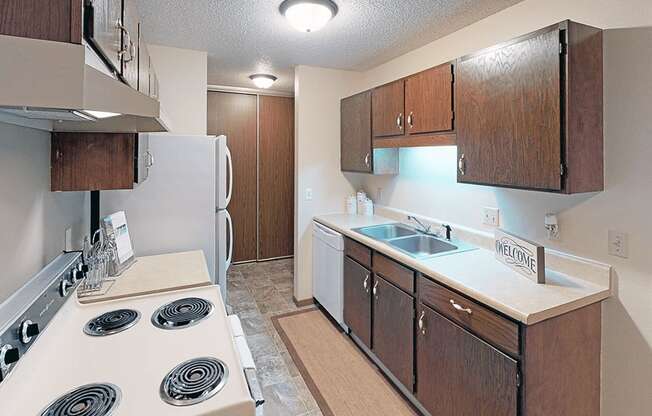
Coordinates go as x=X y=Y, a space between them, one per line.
x=327 y=270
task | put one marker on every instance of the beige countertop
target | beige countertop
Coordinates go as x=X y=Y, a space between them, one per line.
x=157 y=274
x=479 y=275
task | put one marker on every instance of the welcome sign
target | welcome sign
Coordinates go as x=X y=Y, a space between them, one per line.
x=523 y=256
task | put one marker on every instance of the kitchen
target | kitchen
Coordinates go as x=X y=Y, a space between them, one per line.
x=589 y=212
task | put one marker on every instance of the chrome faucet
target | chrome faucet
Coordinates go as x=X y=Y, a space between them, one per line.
x=424 y=228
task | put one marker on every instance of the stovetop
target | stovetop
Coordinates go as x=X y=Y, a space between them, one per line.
x=195 y=371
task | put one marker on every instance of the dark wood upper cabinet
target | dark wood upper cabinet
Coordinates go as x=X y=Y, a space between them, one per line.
x=92 y=161
x=355 y=140
x=529 y=112
x=388 y=106
x=393 y=330
x=56 y=20
x=357 y=300
x=429 y=100
x=458 y=374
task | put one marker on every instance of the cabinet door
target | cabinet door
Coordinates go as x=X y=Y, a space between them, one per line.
x=356 y=152
x=143 y=63
x=102 y=29
x=429 y=100
x=393 y=330
x=56 y=20
x=508 y=117
x=460 y=375
x=357 y=300
x=388 y=103
x=130 y=44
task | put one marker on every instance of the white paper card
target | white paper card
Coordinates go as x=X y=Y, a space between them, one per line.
x=118 y=223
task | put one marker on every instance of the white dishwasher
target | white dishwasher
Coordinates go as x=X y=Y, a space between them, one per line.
x=327 y=269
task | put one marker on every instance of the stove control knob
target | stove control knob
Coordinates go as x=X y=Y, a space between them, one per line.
x=75 y=275
x=8 y=356
x=63 y=288
x=28 y=330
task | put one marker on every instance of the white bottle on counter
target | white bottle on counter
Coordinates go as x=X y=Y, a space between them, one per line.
x=351 y=204
x=368 y=207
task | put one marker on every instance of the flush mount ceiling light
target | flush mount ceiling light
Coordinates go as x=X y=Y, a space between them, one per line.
x=308 y=15
x=263 y=80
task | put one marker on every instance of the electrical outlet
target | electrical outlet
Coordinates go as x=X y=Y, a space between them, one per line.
x=491 y=216
x=379 y=194
x=618 y=243
x=308 y=194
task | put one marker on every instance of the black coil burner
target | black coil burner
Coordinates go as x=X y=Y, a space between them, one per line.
x=182 y=313
x=194 y=381
x=112 y=322
x=88 y=400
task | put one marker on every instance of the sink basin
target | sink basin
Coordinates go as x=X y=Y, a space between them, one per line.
x=422 y=245
x=386 y=231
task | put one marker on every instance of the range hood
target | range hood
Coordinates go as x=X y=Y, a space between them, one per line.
x=52 y=84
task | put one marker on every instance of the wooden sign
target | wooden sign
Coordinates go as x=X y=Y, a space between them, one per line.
x=523 y=256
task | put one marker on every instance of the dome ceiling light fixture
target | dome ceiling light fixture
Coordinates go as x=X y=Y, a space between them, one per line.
x=308 y=15
x=263 y=81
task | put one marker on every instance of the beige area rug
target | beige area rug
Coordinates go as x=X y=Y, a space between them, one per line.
x=340 y=377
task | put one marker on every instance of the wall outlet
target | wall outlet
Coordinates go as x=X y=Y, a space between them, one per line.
x=618 y=244
x=490 y=216
x=308 y=194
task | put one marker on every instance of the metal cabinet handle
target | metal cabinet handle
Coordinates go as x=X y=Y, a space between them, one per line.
x=150 y=159
x=399 y=121
x=422 y=325
x=130 y=44
x=375 y=290
x=461 y=165
x=410 y=119
x=365 y=284
x=460 y=308
x=366 y=159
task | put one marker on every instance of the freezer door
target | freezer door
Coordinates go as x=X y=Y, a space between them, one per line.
x=223 y=248
x=224 y=173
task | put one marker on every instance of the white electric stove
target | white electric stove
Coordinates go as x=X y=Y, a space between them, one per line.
x=166 y=354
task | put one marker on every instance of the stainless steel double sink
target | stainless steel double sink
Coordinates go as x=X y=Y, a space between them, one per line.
x=413 y=242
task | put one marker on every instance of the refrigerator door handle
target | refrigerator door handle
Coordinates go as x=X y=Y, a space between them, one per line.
x=229 y=257
x=229 y=193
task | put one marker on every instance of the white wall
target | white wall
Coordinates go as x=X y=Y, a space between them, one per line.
x=427 y=183
x=32 y=219
x=317 y=159
x=182 y=75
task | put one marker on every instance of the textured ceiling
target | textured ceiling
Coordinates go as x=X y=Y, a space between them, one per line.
x=243 y=37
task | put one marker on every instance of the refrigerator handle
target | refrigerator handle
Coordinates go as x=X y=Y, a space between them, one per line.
x=229 y=257
x=229 y=193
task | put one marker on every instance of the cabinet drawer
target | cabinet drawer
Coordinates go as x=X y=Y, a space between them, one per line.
x=393 y=272
x=357 y=252
x=488 y=325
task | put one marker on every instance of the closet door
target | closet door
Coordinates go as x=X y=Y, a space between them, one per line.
x=234 y=115
x=276 y=177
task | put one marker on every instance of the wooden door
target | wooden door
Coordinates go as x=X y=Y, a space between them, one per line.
x=130 y=44
x=102 y=33
x=276 y=177
x=355 y=139
x=388 y=106
x=460 y=375
x=234 y=115
x=357 y=300
x=92 y=161
x=56 y=20
x=429 y=100
x=393 y=330
x=508 y=117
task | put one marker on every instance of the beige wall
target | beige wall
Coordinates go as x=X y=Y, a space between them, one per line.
x=182 y=75
x=317 y=159
x=33 y=220
x=427 y=183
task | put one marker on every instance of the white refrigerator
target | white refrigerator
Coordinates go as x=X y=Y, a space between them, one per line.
x=182 y=205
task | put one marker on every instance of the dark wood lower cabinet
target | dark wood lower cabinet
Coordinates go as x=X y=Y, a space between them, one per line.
x=461 y=375
x=393 y=330
x=357 y=300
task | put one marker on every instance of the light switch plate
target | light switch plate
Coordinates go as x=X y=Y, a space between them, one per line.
x=490 y=216
x=308 y=194
x=68 y=241
x=618 y=244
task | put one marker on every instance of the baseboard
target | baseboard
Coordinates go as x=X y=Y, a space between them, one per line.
x=304 y=302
